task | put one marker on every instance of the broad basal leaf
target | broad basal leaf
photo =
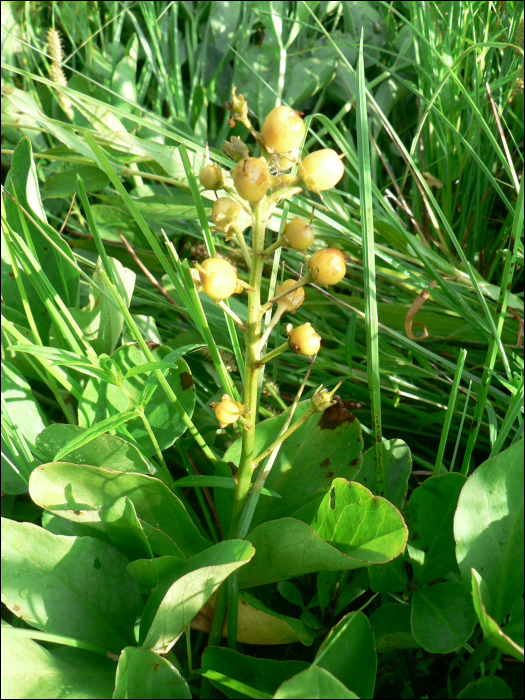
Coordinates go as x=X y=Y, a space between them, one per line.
x=143 y=674
x=397 y=464
x=391 y=627
x=510 y=638
x=74 y=586
x=443 y=617
x=314 y=683
x=429 y=515
x=80 y=493
x=488 y=527
x=179 y=597
x=257 y=624
x=352 y=529
x=30 y=671
x=264 y=674
x=348 y=653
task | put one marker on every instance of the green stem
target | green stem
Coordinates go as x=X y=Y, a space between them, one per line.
x=231 y=314
x=252 y=337
x=242 y=245
x=274 y=353
x=300 y=283
x=253 y=498
x=284 y=435
x=149 y=430
x=233 y=609
x=269 y=328
x=252 y=368
x=278 y=243
x=214 y=639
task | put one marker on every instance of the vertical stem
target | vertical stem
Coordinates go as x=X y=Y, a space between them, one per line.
x=252 y=337
x=228 y=592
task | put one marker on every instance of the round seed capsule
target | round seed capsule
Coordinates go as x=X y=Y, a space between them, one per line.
x=321 y=170
x=303 y=340
x=283 y=130
x=298 y=234
x=225 y=211
x=227 y=411
x=252 y=179
x=293 y=299
x=327 y=266
x=218 y=278
x=212 y=177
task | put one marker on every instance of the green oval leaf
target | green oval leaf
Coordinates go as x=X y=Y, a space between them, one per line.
x=510 y=638
x=80 y=493
x=30 y=671
x=360 y=530
x=314 y=683
x=429 y=515
x=73 y=586
x=488 y=527
x=179 y=597
x=349 y=654
x=326 y=446
x=443 y=617
x=264 y=674
x=143 y=674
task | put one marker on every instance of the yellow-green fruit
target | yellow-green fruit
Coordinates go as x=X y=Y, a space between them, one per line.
x=293 y=299
x=228 y=411
x=321 y=170
x=252 y=179
x=212 y=177
x=303 y=340
x=218 y=278
x=327 y=266
x=283 y=130
x=298 y=234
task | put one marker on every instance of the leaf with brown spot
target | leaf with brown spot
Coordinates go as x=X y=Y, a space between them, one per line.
x=336 y=415
x=186 y=380
x=299 y=473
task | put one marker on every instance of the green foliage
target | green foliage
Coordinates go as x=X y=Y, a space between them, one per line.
x=149 y=553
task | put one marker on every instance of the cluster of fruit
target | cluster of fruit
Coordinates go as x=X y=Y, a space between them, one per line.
x=280 y=140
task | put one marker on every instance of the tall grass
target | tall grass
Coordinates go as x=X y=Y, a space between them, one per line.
x=431 y=194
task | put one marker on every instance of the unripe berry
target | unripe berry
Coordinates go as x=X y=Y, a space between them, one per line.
x=291 y=301
x=298 y=234
x=212 y=177
x=252 y=179
x=218 y=278
x=303 y=340
x=327 y=266
x=227 y=411
x=283 y=130
x=321 y=170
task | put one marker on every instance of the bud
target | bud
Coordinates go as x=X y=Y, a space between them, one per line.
x=236 y=149
x=323 y=399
